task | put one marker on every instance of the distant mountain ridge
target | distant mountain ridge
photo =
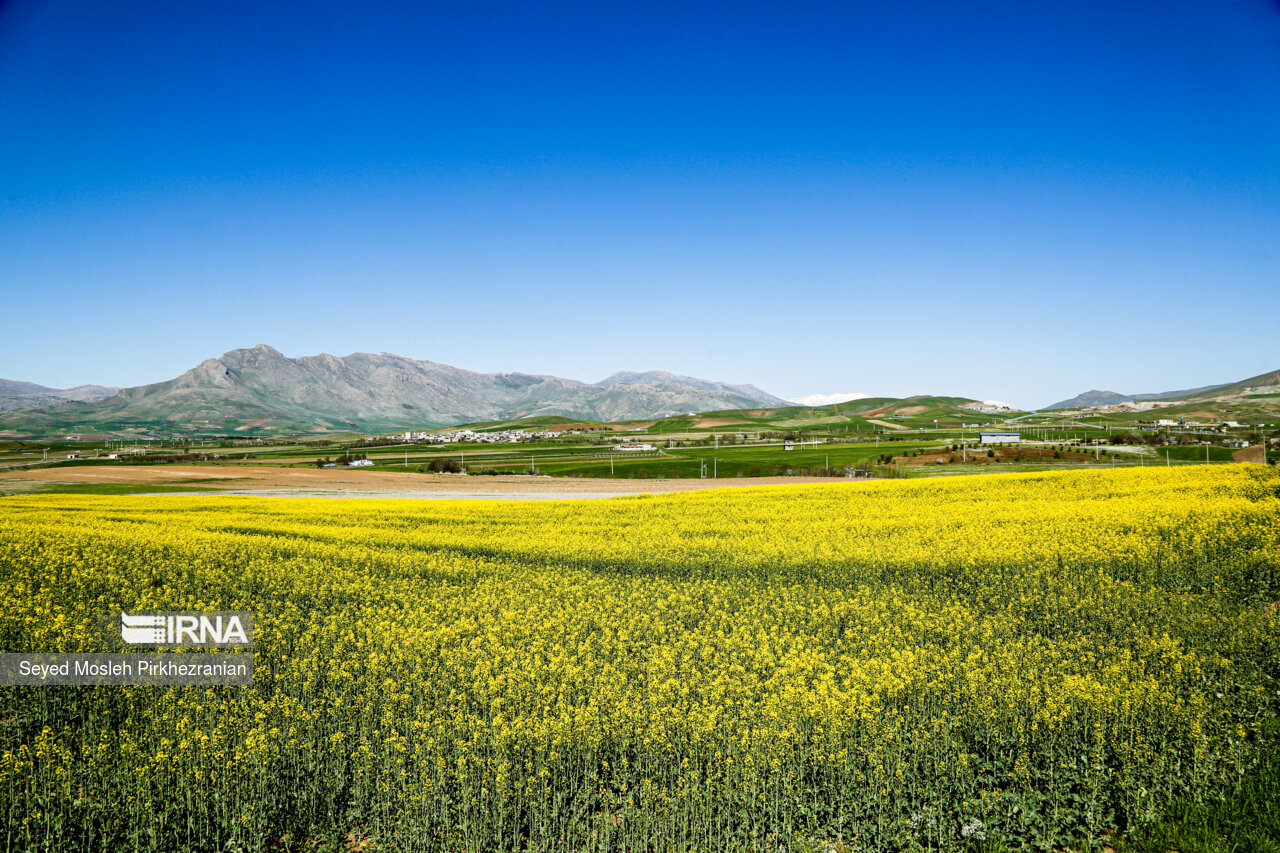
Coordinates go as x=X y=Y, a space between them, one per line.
x=1112 y=398
x=261 y=390
x=25 y=395
x=661 y=377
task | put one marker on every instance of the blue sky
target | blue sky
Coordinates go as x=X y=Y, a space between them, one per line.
x=1017 y=201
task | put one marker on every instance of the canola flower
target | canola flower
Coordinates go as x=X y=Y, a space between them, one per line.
x=1032 y=659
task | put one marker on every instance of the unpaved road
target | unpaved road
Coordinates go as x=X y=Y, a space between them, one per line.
x=337 y=482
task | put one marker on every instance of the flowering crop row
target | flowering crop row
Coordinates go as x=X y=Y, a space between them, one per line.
x=1035 y=659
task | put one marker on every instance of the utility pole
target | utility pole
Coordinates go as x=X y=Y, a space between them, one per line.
x=610 y=464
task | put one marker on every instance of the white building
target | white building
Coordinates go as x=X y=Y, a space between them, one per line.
x=1000 y=437
x=360 y=463
x=634 y=448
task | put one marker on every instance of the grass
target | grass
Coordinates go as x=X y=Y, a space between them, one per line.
x=586 y=456
x=1197 y=454
x=728 y=462
x=1246 y=820
x=531 y=423
x=731 y=461
x=590 y=457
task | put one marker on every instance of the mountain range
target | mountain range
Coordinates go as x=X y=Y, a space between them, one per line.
x=260 y=390
x=662 y=377
x=1263 y=383
x=27 y=395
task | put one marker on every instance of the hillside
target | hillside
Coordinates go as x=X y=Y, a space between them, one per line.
x=867 y=414
x=1263 y=383
x=1253 y=400
x=829 y=399
x=259 y=390
x=1112 y=398
x=26 y=395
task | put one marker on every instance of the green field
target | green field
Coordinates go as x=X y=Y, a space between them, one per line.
x=1198 y=454
x=727 y=461
x=749 y=444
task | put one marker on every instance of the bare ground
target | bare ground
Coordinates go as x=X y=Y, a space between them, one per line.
x=1257 y=453
x=318 y=482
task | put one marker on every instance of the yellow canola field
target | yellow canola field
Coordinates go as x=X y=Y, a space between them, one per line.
x=1031 y=659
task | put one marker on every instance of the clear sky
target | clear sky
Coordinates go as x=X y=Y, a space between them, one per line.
x=1006 y=200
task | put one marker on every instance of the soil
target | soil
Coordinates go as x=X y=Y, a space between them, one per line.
x=1256 y=453
x=886 y=424
x=566 y=427
x=338 y=482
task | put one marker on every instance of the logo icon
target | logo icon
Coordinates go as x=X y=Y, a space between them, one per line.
x=148 y=630
x=219 y=628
